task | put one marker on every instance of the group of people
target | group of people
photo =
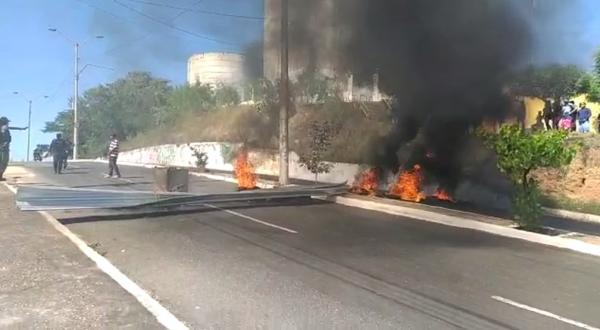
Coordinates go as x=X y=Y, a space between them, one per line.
x=60 y=149
x=566 y=115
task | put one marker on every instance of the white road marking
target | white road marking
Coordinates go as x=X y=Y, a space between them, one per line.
x=162 y=315
x=253 y=219
x=544 y=313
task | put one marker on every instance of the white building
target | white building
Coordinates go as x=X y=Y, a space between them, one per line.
x=216 y=68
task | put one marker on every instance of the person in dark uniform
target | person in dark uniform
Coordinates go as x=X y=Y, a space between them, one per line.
x=58 y=149
x=68 y=153
x=5 y=140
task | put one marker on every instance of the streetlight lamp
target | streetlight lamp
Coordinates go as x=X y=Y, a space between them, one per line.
x=78 y=72
x=28 y=121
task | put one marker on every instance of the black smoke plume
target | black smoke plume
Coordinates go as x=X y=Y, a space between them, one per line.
x=444 y=62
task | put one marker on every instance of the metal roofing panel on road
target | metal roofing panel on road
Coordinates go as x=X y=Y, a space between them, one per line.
x=36 y=198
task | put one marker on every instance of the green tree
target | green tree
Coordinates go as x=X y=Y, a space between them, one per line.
x=320 y=135
x=226 y=96
x=63 y=123
x=125 y=107
x=590 y=82
x=519 y=153
x=188 y=99
x=551 y=81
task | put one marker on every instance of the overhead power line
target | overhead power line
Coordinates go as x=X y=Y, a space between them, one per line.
x=133 y=41
x=201 y=11
x=167 y=24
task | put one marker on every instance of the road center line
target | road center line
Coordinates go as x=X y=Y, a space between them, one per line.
x=162 y=315
x=253 y=219
x=544 y=313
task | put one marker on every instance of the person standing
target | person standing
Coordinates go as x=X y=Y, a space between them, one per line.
x=57 y=149
x=113 y=155
x=574 y=116
x=565 y=122
x=68 y=153
x=5 y=140
x=548 y=115
x=556 y=113
x=583 y=116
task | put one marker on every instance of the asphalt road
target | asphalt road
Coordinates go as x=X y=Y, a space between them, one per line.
x=334 y=267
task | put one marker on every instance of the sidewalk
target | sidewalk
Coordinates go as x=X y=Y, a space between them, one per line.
x=47 y=283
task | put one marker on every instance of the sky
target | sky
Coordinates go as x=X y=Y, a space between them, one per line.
x=36 y=62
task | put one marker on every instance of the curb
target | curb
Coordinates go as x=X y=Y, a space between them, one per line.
x=578 y=216
x=453 y=221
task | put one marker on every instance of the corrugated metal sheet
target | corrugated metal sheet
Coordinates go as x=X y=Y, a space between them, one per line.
x=35 y=198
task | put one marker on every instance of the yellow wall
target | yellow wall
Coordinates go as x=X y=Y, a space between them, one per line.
x=534 y=105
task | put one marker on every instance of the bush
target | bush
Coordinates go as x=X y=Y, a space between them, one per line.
x=320 y=140
x=520 y=153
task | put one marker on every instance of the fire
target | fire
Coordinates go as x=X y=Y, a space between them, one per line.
x=443 y=195
x=244 y=172
x=408 y=185
x=366 y=183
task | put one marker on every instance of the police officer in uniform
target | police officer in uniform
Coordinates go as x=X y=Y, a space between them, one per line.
x=5 y=140
x=58 y=149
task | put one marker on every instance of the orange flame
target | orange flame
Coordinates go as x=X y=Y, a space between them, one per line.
x=443 y=195
x=244 y=172
x=408 y=185
x=366 y=183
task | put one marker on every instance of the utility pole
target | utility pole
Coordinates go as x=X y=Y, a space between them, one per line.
x=284 y=99
x=75 y=101
x=29 y=102
x=29 y=131
x=76 y=88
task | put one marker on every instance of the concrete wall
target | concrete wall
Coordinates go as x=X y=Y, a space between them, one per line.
x=222 y=155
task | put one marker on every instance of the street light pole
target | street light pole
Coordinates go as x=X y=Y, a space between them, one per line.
x=76 y=90
x=284 y=99
x=75 y=107
x=30 y=102
x=29 y=131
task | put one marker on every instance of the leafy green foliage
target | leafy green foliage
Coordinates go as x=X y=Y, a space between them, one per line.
x=189 y=99
x=551 y=81
x=227 y=96
x=519 y=153
x=125 y=107
x=320 y=135
x=63 y=123
x=590 y=83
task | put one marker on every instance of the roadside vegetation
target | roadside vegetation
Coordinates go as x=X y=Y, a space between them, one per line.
x=519 y=154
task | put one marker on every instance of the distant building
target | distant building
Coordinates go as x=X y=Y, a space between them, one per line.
x=216 y=68
x=317 y=44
